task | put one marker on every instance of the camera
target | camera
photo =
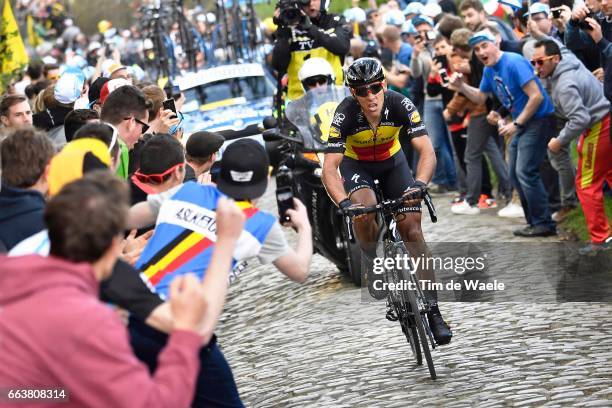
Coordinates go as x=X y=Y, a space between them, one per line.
x=284 y=192
x=582 y=24
x=556 y=13
x=290 y=11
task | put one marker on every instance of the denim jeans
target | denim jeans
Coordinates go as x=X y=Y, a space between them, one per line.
x=215 y=386
x=526 y=152
x=438 y=132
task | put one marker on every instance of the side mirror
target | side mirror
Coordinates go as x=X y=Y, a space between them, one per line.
x=270 y=122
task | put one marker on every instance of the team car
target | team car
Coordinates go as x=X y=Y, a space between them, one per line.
x=231 y=99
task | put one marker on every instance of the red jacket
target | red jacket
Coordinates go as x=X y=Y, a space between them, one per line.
x=54 y=332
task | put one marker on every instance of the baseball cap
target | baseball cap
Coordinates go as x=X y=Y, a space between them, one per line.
x=538 y=8
x=94 y=89
x=69 y=86
x=408 y=28
x=481 y=36
x=414 y=8
x=110 y=86
x=74 y=160
x=432 y=10
x=394 y=17
x=422 y=19
x=244 y=170
x=203 y=143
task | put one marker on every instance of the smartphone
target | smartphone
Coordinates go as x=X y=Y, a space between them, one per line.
x=444 y=77
x=556 y=13
x=284 y=201
x=431 y=35
x=442 y=60
x=169 y=104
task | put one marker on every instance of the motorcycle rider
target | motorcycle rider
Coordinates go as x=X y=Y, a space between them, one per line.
x=315 y=73
x=307 y=30
x=364 y=145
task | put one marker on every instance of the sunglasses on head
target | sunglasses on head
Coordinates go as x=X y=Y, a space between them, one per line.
x=316 y=80
x=156 y=178
x=540 y=61
x=145 y=126
x=374 y=89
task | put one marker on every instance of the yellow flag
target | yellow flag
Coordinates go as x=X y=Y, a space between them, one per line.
x=33 y=37
x=13 y=55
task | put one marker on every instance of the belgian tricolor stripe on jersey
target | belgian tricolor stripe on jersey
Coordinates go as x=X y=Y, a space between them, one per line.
x=185 y=235
x=182 y=249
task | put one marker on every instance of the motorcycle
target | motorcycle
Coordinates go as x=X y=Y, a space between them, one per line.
x=297 y=153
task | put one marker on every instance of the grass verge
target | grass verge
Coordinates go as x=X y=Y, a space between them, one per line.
x=575 y=223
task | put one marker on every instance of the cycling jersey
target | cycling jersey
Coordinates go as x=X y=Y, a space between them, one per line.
x=351 y=134
x=185 y=235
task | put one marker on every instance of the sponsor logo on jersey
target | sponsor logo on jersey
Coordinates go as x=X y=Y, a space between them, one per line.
x=339 y=118
x=407 y=104
x=415 y=117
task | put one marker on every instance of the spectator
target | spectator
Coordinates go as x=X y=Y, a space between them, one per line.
x=94 y=93
x=25 y=157
x=117 y=70
x=69 y=88
x=201 y=153
x=480 y=137
x=62 y=320
x=160 y=119
x=51 y=72
x=510 y=77
x=126 y=109
x=15 y=111
x=578 y=98
x=399 y=74
x=243 y=176
x=77 y=119
x=476 y=18
x=445 y=176
x=600 y=34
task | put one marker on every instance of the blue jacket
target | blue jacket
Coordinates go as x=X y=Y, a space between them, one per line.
x=21 y=214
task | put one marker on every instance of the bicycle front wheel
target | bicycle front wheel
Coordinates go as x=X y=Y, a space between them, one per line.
x=420 y=327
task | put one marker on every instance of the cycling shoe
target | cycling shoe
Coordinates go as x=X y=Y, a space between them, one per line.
x=440 y=330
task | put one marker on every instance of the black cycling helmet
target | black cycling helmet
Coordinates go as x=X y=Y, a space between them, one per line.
x=364 y=71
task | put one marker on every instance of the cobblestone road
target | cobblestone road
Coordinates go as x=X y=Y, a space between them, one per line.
x=317 y=345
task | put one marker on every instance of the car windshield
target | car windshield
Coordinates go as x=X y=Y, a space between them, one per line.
x=246 y=89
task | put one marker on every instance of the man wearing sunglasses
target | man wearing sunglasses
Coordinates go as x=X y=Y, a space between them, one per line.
x=364 y=145
x=511 y=79
x=579 y=98
x=126 y=109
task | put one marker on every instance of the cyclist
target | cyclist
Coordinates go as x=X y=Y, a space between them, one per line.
x=364 y=144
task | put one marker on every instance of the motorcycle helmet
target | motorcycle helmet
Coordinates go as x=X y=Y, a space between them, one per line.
x=364 y=71
x=315 y=67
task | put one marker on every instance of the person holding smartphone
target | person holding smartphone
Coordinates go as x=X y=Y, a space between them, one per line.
x=445 y=177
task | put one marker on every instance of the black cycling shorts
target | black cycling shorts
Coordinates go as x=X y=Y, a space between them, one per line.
x=394 y=177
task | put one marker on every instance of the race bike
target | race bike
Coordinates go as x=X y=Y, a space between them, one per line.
x=296 y=147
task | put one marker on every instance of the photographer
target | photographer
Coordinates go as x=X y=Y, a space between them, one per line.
x=591 y=26
x=306 y=30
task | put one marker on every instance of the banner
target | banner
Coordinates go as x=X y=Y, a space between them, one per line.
x=13 y=55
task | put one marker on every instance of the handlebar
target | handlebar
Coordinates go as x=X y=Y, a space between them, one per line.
x=389 y=206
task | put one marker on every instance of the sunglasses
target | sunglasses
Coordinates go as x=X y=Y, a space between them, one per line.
x=540 y=61
x=316 y=80
x=374 y=89
x=145 y=126
x=156 y=178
